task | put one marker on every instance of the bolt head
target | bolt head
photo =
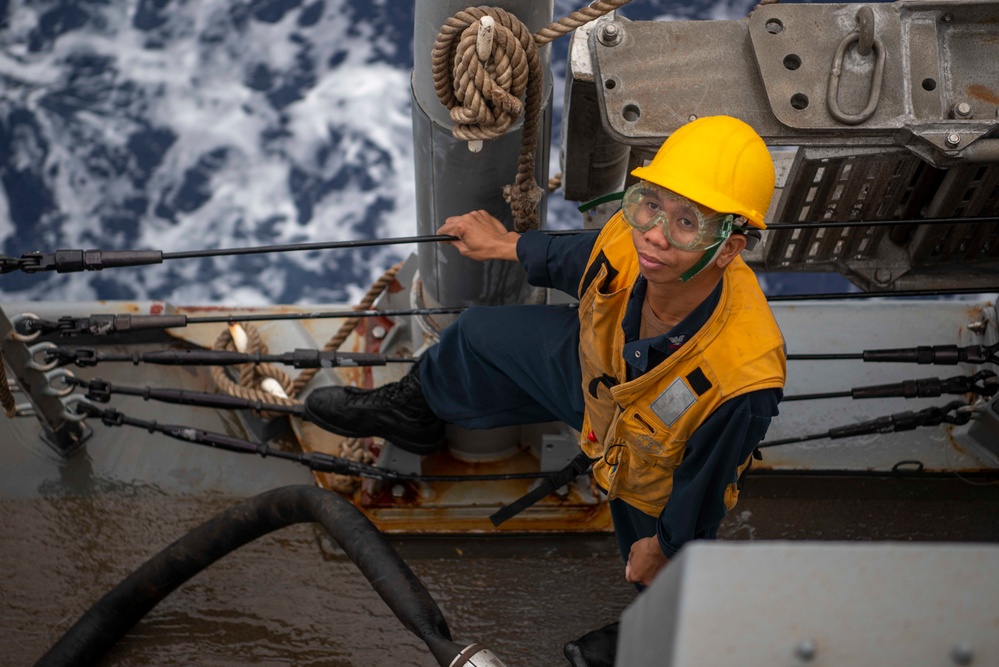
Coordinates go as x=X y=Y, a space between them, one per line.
x=979 y=327
x=953 y=140
x=962 y=654
x=962 y=110
x=610 y=34
x=805 y=650
x=378 y=331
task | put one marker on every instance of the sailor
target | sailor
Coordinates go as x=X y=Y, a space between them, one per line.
x=671 y=369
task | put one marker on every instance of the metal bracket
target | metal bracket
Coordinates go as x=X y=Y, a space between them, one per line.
x=64 y=435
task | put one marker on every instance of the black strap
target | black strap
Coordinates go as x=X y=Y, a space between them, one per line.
x=548 y=485
x=591 y=274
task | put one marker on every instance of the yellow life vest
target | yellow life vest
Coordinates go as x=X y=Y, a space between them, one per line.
x=639 y=429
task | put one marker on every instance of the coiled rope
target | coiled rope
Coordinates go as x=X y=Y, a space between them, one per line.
x=483 y=95
x=251 y=375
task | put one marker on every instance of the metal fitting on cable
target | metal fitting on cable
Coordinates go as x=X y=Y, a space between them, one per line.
x=75 y=408
x=56 y=374
x=21 y=325
x=476 y=655
x=35 y=351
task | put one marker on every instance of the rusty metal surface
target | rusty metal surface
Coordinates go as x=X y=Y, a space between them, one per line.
x=462 y=507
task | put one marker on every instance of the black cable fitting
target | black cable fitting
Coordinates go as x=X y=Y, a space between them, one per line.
x=107 y=324
x=71 y=261
x=955 y=412
x=28 y=326
x=981 y=383
x=101 y=391
x=109 y=417
x=63 y=357
x=98 y=390
x=303 y=358
x=9 y=264
x=72 y=326
x=85 y=357
x=906 y=421
x=945 y=355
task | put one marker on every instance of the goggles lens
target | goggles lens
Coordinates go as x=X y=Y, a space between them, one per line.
x=687 y=225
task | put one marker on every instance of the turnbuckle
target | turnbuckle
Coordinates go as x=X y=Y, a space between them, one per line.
x=10 y=264
x=97 y=389
x=60 y=356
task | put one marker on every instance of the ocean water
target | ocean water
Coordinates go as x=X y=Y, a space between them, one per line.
x=179 y=125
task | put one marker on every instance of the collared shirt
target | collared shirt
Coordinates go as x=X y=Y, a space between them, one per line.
x=643 y=354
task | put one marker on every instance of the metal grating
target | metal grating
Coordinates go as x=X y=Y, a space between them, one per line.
x=973 y=192
x=840 y=184
x=836 y=185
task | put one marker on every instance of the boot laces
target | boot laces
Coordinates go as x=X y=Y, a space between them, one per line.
x=402 y=394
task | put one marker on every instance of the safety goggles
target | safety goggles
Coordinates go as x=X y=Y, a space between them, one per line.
x=687 y=225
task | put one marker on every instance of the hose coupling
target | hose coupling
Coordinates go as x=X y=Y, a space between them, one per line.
x=476 y=655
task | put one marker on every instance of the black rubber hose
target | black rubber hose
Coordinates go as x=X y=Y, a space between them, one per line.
x=117 y=612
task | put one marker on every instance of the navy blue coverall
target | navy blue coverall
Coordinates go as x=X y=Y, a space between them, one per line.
x=505 y=365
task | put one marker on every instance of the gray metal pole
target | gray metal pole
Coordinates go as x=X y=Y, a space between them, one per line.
x=451 y=180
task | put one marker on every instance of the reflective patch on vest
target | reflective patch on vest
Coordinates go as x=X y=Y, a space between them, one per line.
x=673 y=402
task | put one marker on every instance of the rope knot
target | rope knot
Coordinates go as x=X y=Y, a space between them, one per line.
x=484 y=59
x=523 y=202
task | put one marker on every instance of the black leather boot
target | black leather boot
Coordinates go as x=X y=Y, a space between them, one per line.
x=594 y=649
x=397 y=412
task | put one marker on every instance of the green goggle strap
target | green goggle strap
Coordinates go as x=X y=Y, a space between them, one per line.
x=711 y=252
x=603 y=199
x=701 y=263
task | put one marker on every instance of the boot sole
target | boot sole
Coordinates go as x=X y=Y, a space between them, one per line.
x=422 y=449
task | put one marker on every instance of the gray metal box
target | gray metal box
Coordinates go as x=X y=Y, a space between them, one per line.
x=770 y=604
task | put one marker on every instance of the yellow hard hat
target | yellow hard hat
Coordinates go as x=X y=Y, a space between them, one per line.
x=719 y=162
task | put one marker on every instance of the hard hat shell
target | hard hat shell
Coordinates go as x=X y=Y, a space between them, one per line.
x=719 y=162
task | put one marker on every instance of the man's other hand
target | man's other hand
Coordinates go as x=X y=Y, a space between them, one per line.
x=644 y=561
